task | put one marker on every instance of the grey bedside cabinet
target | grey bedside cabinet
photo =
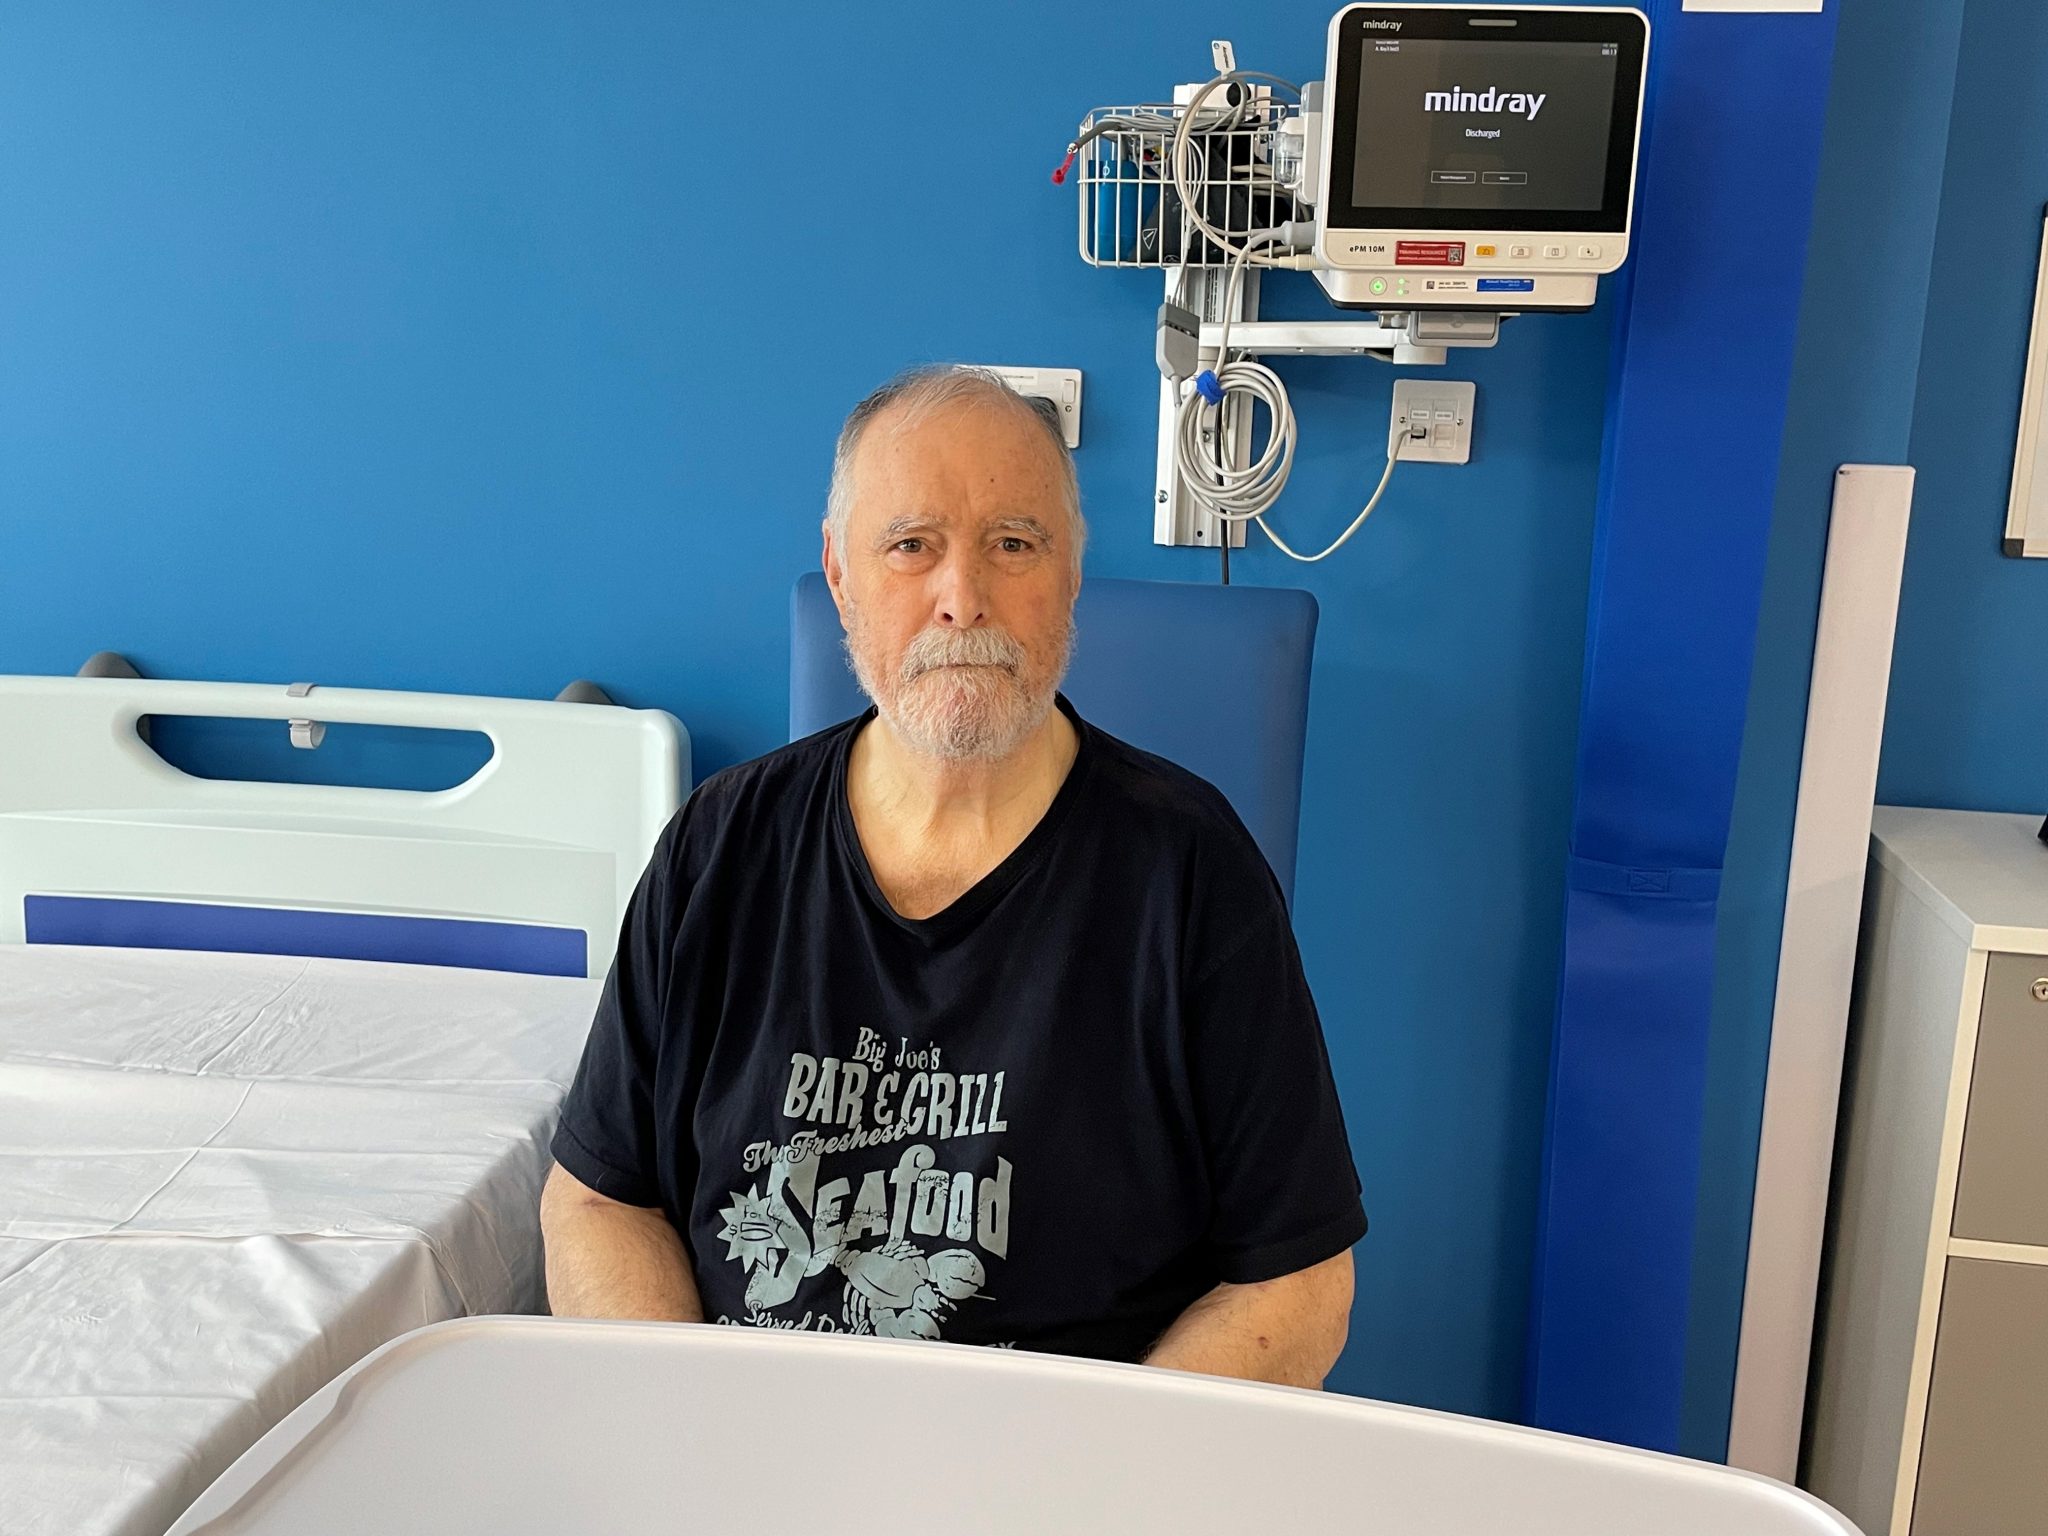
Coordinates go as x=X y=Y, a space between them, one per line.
x=1929 y=1411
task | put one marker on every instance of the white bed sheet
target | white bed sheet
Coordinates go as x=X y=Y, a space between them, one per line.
x=225 y=1178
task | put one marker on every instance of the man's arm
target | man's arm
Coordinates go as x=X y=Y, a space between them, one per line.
x=1288 y=1330
x=607 y=1259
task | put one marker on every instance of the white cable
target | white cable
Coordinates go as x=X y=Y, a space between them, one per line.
x=1180 y=165
x=1245 y=495
x=1358 y=522
x=1233 y=494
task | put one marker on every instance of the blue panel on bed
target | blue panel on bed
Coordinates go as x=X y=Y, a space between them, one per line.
x=535 y=950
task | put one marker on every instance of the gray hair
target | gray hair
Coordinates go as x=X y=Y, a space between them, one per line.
x=918 y=391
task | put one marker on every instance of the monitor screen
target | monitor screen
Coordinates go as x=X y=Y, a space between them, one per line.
x=1482 y=126
x=1487 y=117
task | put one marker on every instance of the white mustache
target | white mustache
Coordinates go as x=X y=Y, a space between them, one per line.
x=935 y=648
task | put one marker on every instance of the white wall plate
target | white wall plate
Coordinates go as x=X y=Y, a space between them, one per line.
x=1434 y=420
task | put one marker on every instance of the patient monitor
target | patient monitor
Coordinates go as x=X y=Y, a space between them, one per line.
x=1457 y=165
x=1477 y=157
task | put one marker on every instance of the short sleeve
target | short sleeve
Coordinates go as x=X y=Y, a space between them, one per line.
x=1286 y=1194
x=607 y=1136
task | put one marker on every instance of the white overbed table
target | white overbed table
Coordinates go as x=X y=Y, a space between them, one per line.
x=511 y=1426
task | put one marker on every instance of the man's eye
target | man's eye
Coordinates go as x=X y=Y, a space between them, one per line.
x=910 y=546
x=1015 y=546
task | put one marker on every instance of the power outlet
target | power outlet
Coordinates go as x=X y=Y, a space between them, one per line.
x=1433 y=418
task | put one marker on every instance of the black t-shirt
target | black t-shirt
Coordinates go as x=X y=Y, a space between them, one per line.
x=1050 y=1116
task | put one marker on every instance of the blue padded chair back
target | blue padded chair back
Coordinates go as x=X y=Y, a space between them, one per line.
x=1213 y=678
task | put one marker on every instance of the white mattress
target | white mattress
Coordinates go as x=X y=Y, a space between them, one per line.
x=225 y=1178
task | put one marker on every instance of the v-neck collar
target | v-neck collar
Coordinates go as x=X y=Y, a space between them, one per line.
x=985 y=892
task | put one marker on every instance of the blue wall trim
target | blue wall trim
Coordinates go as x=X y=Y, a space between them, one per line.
x=98 y=920
x=1695 y=415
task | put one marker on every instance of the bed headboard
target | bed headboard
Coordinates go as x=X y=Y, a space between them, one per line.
x=525 y=866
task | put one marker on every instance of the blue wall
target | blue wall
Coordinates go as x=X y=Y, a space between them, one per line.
x=473 y=347
x=1968 y=719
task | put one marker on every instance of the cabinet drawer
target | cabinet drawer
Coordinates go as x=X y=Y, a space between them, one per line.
x=1982 y=1468
x=2002 y=1190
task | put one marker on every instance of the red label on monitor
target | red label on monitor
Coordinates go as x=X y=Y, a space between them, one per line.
x=1429 y=253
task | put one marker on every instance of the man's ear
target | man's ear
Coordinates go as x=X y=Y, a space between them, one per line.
x=835 y=573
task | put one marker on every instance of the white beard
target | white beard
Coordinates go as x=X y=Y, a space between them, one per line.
x=959 y=694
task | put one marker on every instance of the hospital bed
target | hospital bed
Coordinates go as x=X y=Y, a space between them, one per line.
x=278 y=1062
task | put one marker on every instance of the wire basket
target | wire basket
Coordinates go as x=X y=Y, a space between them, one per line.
x=1244 y=168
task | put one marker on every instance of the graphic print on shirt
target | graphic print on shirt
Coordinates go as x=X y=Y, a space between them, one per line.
x=908 y=1240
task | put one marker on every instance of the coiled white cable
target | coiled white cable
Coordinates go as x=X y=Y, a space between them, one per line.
x=1204 y=457
x=1203 y=454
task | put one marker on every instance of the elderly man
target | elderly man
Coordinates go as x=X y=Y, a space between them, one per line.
x=962 y=1020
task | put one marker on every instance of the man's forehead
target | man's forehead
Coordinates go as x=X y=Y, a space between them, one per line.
x=977 y=465
x=941 y=434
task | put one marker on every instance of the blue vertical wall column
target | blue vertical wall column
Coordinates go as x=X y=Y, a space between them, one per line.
x=1696 y=406
x=1853 y=384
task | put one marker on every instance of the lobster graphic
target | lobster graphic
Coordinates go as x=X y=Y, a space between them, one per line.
x=895 y=1291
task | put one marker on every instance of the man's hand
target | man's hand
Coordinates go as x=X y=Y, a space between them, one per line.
x=605 y=1259
x=1288 y=1330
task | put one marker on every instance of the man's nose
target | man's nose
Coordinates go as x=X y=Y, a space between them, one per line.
x=961 y=601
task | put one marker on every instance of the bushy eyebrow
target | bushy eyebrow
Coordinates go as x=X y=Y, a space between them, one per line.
x=1029 y=526
x=910 y=524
